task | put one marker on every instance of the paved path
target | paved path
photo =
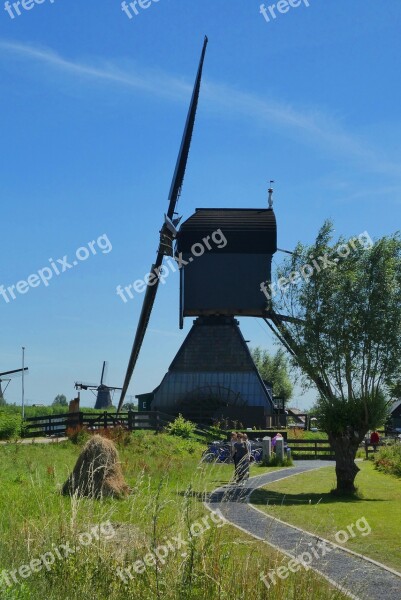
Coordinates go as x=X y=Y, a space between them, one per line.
x=37 y=440
x=355 y=575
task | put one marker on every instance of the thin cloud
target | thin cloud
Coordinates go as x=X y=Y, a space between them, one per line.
x=312 y=126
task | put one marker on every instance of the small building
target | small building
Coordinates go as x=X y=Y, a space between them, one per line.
x=395 y=416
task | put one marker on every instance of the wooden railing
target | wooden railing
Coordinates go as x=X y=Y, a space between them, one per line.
x=311 y=449
x=57 y=425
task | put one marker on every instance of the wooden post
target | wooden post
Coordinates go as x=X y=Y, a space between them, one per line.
x=105 y=419
x=315 y=449
x=266 y=449
x=280 y=449
x=367 y=449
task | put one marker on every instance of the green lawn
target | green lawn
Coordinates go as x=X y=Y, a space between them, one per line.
x=305 y=501
x=168 y=484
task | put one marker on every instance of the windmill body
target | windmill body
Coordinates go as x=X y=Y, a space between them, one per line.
x=213 y=376
x=103 y=391
x=226 y=278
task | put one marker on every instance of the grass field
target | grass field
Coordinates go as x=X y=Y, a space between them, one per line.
x=305 y=501
x=168 y=484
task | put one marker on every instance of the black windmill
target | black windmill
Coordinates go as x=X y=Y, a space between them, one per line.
x=213 y=374
x=103 y=392
x=7 y=377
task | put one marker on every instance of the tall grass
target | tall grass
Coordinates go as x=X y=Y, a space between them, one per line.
x=168 y=485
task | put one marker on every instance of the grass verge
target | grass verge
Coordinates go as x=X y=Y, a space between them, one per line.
x=305 y=501
x=168 y=485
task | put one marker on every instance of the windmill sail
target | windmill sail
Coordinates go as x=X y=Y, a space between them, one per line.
x=7 y=376
x=175 y=190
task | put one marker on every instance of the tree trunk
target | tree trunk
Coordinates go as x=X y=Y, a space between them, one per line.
x=345 y=450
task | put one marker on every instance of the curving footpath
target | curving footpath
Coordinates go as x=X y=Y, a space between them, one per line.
x=357 y=576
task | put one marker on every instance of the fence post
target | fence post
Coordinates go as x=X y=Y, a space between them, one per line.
x=315 y=450
x=129 y=419
x=367 y=449
x=266 y=448
x=280 y=449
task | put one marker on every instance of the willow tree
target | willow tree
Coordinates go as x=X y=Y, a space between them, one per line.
x=343 y=300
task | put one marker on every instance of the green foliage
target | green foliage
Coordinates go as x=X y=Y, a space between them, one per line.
x=274 y=461
x=168 y=486
x=181 y=428
x=274 y=368
x=388 y=460
x=129 y=406
x=345 y=332
x=395 y=389
x=20 y=592
x=346 y=327
x=34 y=411
x=78 y=435
x=337 y=416
x=10 y=425
x=306 y=502
x=60 y=400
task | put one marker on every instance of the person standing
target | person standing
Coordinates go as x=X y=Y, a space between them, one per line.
x=247 y=444
x=374 y=440
x=233 y=450
x=243 y=459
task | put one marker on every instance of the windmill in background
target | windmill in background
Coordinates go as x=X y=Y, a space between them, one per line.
x=104 y=392
x=6 y=378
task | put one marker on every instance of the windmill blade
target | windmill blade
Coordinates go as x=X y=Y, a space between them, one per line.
x=104 y=373
x=165 y=234
x=81 y=385
x=182 y=159
x=14 y=373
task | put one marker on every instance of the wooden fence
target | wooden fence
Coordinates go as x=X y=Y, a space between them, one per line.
x=311 y=449
x=57 y=425
x=370 y=449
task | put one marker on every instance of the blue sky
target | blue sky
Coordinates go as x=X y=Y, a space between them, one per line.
x=92 y=111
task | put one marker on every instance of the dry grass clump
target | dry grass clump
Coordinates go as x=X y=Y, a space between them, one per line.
x=97 y=472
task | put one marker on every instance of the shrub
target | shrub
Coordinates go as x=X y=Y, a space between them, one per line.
x=78 y=435
x=276 y=462
x=10 y=426
x=119 y=434
x=388 y=460
x=181 y=427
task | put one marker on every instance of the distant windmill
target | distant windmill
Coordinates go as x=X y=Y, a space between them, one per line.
x=103 y=396
x=7 y=376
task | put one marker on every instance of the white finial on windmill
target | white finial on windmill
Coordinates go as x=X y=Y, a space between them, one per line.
x=270 y=199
